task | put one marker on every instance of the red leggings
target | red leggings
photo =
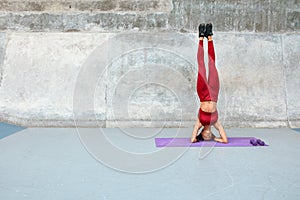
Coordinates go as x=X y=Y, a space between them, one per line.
x=207 y=90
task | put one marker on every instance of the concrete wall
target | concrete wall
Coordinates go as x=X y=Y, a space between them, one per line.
x=133 y=63
x=113 y=15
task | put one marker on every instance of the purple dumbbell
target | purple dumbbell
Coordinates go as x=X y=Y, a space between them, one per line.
x=260 y=142
x=253 y=142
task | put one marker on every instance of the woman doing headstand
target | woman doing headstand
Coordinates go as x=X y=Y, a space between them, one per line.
x=208 y=91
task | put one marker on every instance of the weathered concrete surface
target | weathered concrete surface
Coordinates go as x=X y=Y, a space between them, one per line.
x=132 y=62
x=251 y=68
x=145 y=79
x=112 y=15
x=291 y=52
x=39 y=78
x=149 y=80
x=154 y=79
x=84 y=5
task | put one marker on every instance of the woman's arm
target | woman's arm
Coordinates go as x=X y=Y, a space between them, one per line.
x=222 y=133
x=197 y=126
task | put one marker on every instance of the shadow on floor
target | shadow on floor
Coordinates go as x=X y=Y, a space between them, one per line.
x=9 y=129
x=296 y=129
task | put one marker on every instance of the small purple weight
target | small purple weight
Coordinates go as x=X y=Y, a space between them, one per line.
x=260 y=142
x=253 y=142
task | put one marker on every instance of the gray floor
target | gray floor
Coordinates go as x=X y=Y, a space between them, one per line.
x=59 y=164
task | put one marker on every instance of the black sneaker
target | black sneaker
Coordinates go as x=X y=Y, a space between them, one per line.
x=202 y=30
x=208 y=30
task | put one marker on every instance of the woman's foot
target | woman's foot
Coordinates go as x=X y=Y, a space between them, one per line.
x=201 y=30
x=208 y=30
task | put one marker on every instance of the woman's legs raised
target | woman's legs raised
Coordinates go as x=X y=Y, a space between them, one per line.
x=213 y=77
x=200 y=59
x=202 y=87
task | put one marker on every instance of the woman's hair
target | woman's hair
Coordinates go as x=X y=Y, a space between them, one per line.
x=200 y=136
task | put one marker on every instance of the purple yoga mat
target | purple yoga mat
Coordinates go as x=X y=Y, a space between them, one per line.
x=186 y=142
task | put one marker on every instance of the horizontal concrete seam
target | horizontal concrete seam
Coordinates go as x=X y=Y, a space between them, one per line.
x=10 y=31
x=82 y=5
x=121 y=11
x=151 y=31
x=12 y=118
x=293 y=9
x=154 y=30
x=3 y=13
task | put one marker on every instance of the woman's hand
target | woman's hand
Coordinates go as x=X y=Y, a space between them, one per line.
x=197 y=126
x=193 y=139
x=222 y=133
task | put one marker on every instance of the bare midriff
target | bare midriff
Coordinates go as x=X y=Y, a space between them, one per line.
x=208 y=106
